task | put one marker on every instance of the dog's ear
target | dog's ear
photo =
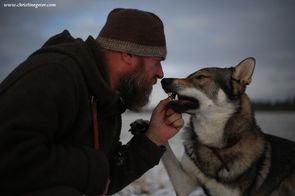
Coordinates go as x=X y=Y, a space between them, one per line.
x=244 y=70
x=242 y=75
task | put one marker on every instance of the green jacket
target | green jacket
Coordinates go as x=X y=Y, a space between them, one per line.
x=46 y=136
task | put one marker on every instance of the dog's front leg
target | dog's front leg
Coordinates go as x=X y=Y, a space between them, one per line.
x=182 y=182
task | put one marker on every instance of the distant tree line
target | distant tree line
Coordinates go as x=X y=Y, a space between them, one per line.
x=282 y=105
x=288 y=104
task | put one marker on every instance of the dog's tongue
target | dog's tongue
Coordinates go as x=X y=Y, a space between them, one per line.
x=181 y=104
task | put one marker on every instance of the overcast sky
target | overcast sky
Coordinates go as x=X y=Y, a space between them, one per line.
x=199 y=33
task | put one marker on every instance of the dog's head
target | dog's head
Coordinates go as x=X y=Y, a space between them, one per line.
x=209 y=87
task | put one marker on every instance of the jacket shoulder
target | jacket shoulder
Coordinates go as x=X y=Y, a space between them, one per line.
x=38 y=63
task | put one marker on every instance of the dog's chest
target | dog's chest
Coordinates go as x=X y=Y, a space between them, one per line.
x=210 y=184
x=210 y=133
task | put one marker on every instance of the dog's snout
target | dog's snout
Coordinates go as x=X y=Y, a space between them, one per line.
x=166 y=81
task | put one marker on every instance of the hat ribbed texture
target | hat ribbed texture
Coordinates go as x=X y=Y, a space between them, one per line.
x=134 y=31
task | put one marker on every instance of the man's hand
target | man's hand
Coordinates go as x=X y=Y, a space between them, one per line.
x=164 y=123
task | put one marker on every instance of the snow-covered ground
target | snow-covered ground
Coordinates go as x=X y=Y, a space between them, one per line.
x=155 y=182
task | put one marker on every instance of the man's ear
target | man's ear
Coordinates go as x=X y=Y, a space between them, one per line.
x=127 y=58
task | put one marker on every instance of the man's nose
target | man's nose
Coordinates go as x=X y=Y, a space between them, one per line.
x=160 y=73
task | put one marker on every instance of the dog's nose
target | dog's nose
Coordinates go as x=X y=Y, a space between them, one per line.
x=166 y=81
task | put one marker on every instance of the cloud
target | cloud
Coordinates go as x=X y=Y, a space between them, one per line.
x=199 y=33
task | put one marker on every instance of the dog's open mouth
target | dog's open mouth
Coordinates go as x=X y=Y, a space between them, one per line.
x=181 y=103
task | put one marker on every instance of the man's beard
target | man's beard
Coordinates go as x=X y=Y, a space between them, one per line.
x=135 y=89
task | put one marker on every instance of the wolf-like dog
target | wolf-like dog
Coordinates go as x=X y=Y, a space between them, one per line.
x=225 y=151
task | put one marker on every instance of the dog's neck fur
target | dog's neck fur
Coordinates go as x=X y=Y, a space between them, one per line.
x=209 y=124
x=227 y=132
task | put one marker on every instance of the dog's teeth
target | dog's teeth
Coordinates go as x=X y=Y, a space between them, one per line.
x=176 y=97
x=170 y=96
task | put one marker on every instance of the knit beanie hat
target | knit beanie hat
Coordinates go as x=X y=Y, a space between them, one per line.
x=133 y=31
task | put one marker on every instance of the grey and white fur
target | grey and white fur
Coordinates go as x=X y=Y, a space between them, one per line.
x=226 y=153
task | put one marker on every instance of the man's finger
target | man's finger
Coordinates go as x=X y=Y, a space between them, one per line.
x=162 y=105
x=171 y=119
x=178 y=123
x=170 y=112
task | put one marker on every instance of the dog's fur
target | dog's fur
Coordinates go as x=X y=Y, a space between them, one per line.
x=226 y=153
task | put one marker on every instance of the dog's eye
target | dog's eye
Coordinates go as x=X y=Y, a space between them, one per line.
x=201 y=77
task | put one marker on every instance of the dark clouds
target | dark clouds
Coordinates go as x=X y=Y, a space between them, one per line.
x=22 y=32
x=199 y=33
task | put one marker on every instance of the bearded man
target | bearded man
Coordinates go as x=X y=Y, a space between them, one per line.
x=60 y=114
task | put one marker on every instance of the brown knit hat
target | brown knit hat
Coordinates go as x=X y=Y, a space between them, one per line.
x=133 y=31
